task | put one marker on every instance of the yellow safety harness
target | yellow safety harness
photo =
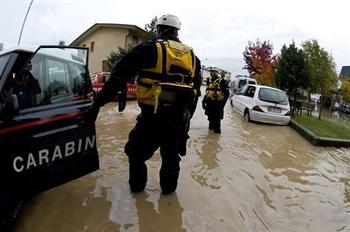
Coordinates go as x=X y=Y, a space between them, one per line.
x=214 y=91
x=171 y=80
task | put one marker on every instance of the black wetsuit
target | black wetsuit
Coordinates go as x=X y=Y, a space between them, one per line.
x=215 y=109
x=167 y=129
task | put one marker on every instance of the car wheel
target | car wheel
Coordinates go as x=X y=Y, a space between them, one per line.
x=246 y=116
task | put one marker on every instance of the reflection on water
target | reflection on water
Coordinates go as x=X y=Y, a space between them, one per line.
x=204 y=171
x=164 y=216
x=70 y=207
x=252 y=177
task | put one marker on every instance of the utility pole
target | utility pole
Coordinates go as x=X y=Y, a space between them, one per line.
x=24 y=21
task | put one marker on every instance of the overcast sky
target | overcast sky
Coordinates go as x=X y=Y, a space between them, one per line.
x=217 y=30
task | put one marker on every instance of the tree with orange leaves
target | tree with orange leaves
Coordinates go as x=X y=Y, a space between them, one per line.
x=260 y=62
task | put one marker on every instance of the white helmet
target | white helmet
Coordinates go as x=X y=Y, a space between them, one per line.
x=169 y=20
x=214 y=69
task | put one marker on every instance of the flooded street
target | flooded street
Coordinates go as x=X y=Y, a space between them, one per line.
x=252 y=177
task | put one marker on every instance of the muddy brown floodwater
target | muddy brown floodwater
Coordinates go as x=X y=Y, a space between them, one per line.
x=252 y=177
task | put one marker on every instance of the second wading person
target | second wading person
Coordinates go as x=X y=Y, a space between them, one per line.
x=214 y=100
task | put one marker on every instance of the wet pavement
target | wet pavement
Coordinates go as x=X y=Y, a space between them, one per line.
x=252 y=177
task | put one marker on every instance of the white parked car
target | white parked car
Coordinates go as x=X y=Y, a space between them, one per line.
x=262 y=104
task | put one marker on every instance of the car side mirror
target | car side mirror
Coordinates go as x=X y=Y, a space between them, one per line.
x=10 y=108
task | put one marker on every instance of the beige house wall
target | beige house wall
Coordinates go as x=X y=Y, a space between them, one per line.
x=105 y=41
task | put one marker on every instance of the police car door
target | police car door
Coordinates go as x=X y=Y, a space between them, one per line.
x=49 y=142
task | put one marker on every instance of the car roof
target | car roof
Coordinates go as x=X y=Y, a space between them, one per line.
x=264 y=86
x=22 y=48
x=244 y=78
x=58 y=53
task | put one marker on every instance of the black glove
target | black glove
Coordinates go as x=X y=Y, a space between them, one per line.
x=121 y=100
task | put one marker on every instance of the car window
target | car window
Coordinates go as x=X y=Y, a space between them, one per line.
x=3 y=61
x=241 y=83
x=242 y=90
x=80 y=83
x=27 y=86
x=273 y=96
x=58 y=83
x=250 y=91
x=53 y=75
x=252 y=82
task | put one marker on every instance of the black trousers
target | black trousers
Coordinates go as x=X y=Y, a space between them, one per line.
x=215 y=125
x=166 y=130
x=215 y=112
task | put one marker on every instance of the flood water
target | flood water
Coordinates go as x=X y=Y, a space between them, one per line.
x=252 y=177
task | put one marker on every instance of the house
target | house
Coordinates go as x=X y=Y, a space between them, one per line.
x=345 y=72
x=103 y=38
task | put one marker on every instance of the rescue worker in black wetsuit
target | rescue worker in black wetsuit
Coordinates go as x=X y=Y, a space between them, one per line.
x=214 y=100
x=168 y=86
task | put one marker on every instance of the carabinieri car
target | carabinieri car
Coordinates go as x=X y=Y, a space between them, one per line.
x=45 y=138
